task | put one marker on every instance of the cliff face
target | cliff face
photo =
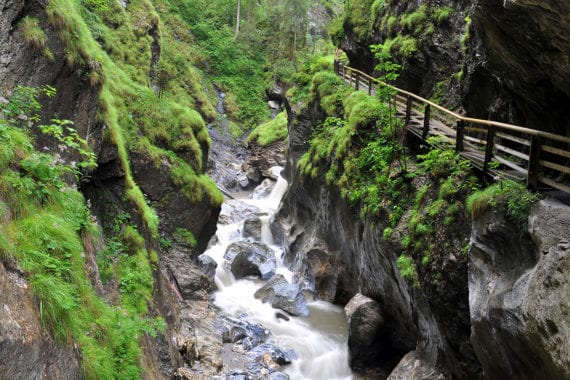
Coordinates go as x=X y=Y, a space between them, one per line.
x=134 y=172
x=506 y=60
x=492 y=309
x=338 y=255
x=518 y=292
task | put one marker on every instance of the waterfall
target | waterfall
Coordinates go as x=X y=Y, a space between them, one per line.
x=319 y=340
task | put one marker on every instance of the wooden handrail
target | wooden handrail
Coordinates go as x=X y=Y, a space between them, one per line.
x=511 y=127
x=491 y=128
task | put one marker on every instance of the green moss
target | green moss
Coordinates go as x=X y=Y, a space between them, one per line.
x=415 y=20
x=270 y=132
x=34 y=35
x=357 y=17
x=509 y=197
x=440 y=15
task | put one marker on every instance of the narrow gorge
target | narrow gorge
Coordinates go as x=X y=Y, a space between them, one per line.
x=190 y=190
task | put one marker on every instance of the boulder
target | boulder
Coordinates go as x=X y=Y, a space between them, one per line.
x=365 y=325
x=234 y=211
x=236 y=329
x=413 y=366
x=251 y=259
x=264 y=351
x=282 y=295
x=263 y=189
x=252 y=228
x=208 y=266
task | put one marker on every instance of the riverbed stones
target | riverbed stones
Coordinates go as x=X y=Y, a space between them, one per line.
x=251 y=259
x=263 y=189
x=280 y=294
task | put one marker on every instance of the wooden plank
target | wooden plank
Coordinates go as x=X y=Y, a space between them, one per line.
x=512 y=138
x=511 y=165
x=475 y=140
x=554 y=184
x=512 y=152
x=552 y=165
x=560 y=152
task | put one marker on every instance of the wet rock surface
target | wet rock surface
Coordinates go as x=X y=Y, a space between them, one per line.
x=251 y=259
x=280 y=294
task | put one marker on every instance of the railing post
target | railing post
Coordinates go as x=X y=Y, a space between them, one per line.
x=533 y=163
x=427 y=114
x=459 y=136
x=408 y=110
x=356 y=81
x=489 y=147
x=336 y=67
x=343 y=72
x=369 y=86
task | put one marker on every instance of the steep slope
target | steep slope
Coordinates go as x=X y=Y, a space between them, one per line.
x=107 y=62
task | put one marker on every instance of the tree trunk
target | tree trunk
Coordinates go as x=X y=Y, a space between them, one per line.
x=237 y=19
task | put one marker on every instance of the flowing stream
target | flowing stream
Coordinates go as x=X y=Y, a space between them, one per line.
x=319 y=340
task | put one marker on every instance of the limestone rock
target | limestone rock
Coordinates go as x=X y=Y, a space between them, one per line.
x=365 y=324
x=208 y=266
x=251 y=259
x=263 y=189
x=252 y=228
x=282 y=295
x=413 y=366
x=519 y=289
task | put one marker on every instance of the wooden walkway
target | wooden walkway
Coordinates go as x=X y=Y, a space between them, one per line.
x=499 y=150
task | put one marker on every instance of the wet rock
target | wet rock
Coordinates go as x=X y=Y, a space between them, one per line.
x=234 y=210
x=252 y=228
x=208 y=266
x=413 y=366
x=278 y=376
x=365 y=324
x=518 y=292
x=184 y=277
x=251 y=259
x=277 y=355
x=264 y=189
x=282 y=295
x=243 y=180
x=236 y=329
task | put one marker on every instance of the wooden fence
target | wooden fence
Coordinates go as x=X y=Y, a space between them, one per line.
x=498 y=149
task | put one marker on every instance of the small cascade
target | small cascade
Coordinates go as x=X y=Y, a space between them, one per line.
x=318 y=340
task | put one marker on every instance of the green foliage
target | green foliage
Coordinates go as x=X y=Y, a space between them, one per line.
x=48 y=228
x=441 y=163
x=270 y=132
x=376 y=8
x=186 y=237
x=357 y=17
x=34 y=35
x=401 y=46
x=507 y=196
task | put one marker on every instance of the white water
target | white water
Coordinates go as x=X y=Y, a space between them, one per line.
x=319 y=340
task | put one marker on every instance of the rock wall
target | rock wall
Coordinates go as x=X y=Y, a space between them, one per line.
x=337 y=255
x=518 y=294
x=504 y=60
x=27 y=351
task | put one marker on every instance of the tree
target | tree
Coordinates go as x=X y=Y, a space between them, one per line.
x=237 y=19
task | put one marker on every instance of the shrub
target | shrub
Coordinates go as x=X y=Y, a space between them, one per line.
x=270 y=132
x=507 y=196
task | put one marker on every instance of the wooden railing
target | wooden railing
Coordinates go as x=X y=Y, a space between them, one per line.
x=498 y=149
